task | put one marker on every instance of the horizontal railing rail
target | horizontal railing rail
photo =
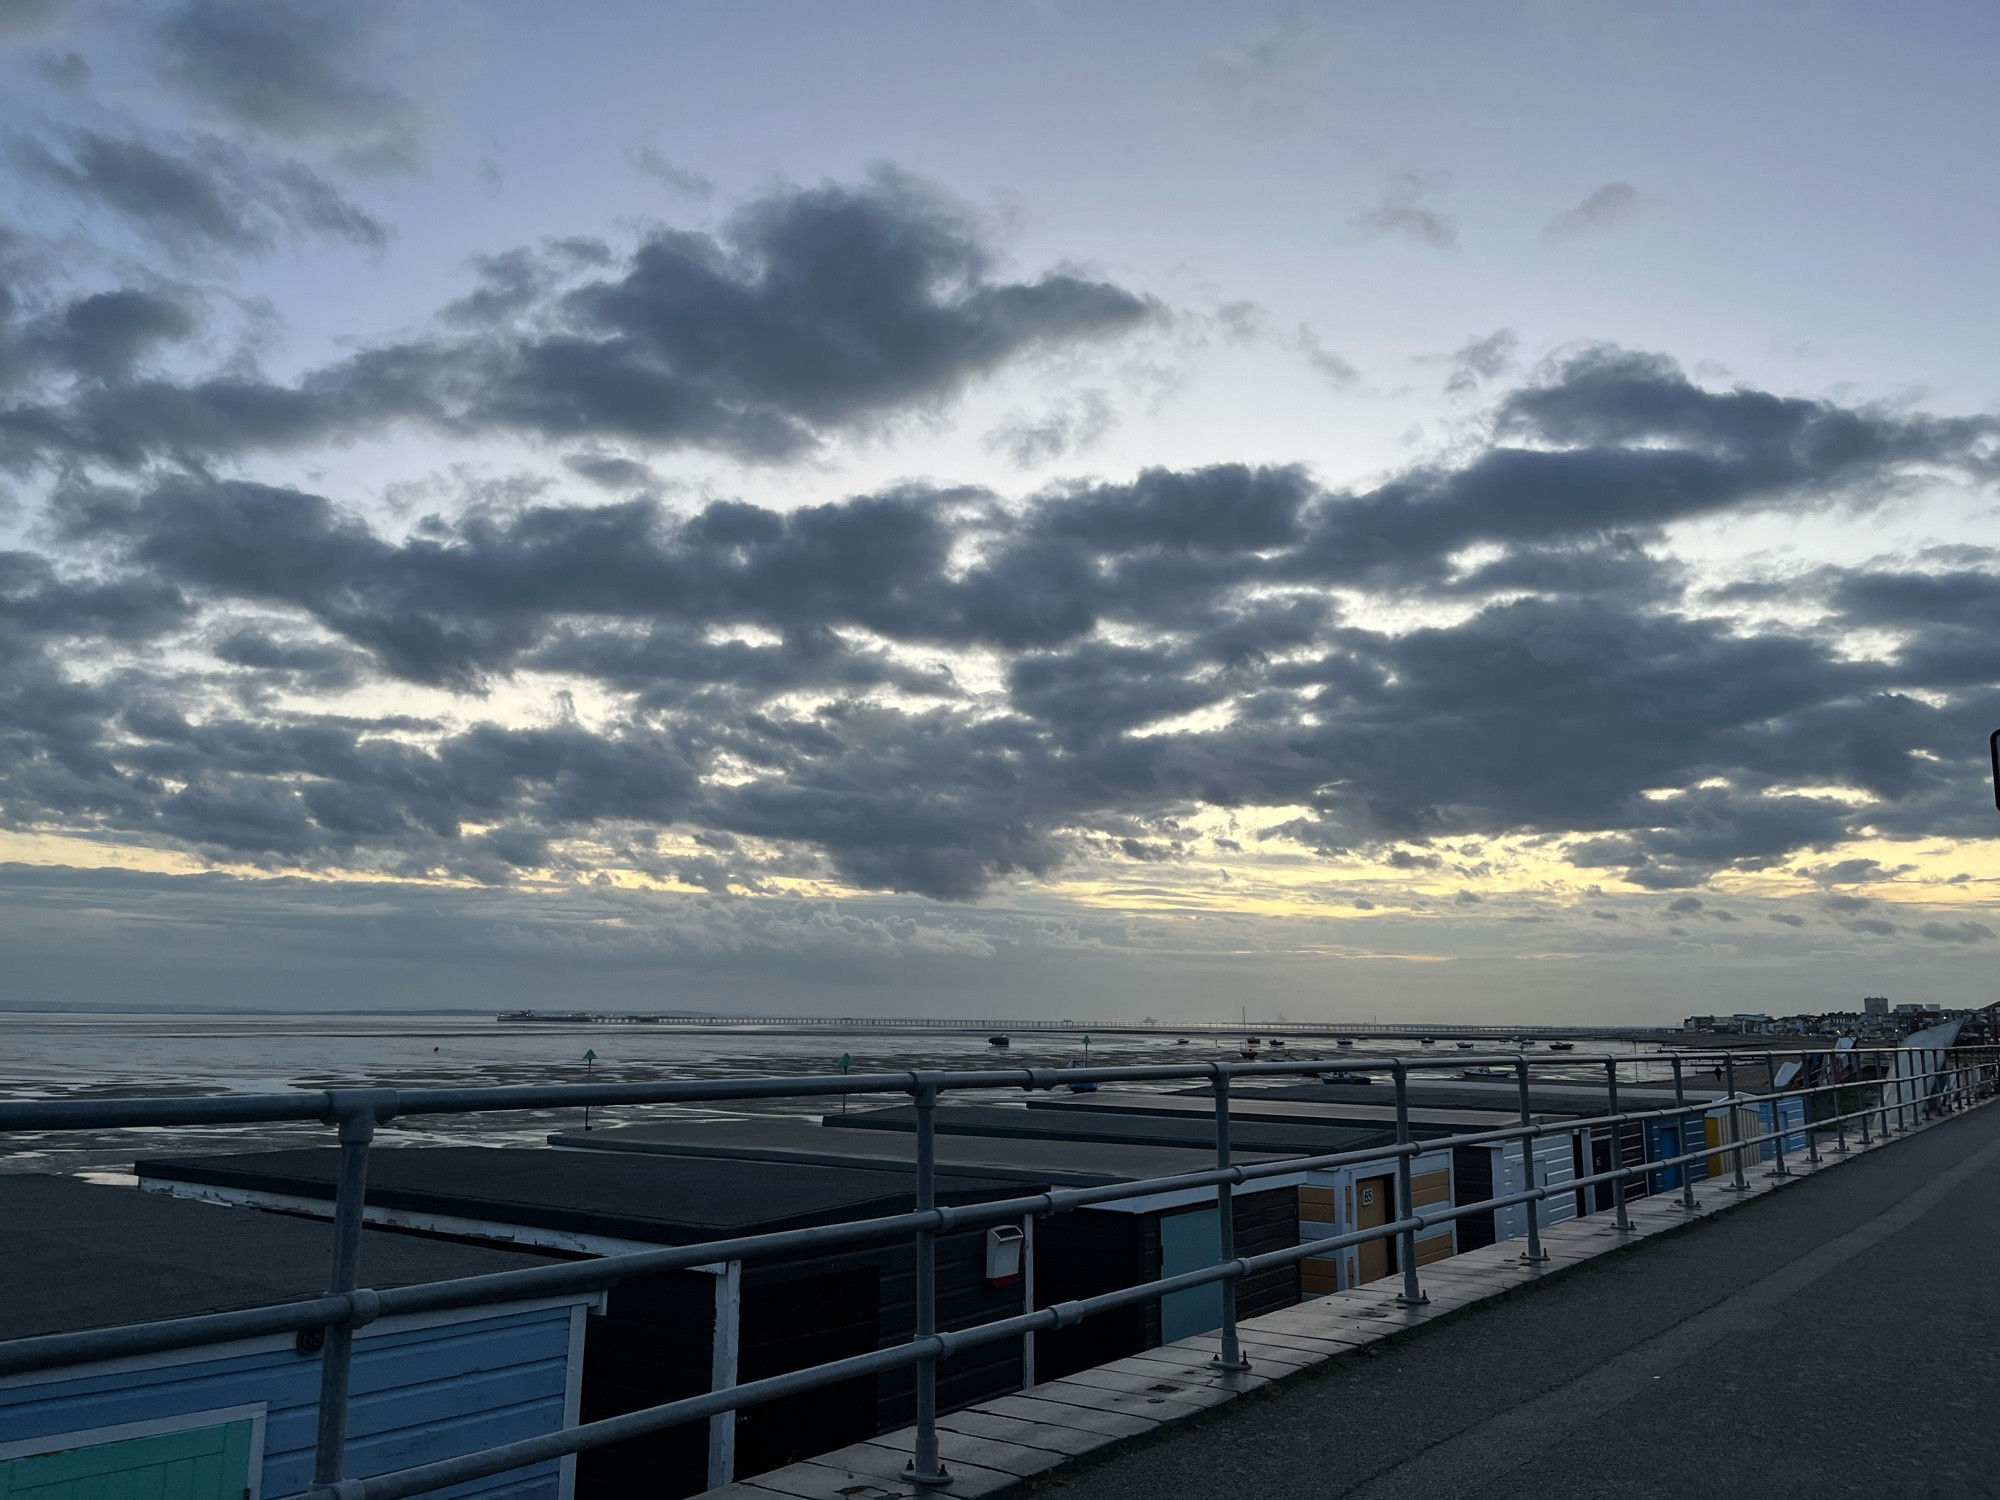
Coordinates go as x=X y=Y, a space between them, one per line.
x=1899 y=1085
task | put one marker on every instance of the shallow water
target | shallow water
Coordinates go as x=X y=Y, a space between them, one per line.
x=44 y=1055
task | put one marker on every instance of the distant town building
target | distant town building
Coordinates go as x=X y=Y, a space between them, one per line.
x=1875 y=1005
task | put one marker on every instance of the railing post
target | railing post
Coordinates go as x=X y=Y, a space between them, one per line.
x=1861 y=1097
x=1681 y=1134
x=1839 y=1105
x=924 y=1468
x=1735 y=1133
x=1535 y=1253
x=1230 y=1355
x=1777 y=1115
x=1412 y=1293
x=336 y=1360
x=1621 y=1221
x=1808 y=1098
x=1027 y=1298
x=724 y=1354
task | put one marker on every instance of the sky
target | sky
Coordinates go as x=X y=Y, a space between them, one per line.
x=1444 y=511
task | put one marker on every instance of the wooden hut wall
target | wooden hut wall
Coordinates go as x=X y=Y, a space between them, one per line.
x=964 y=1300
x=1085 y=1254
x=655 y=1343
x=652 y=1344
x=1472 y=1181
x=1265 y=1222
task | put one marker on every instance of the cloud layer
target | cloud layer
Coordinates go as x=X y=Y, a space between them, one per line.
x=810 y=312
x=933 y=690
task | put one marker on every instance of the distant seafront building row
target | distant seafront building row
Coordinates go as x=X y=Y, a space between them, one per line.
x=1876 y=1019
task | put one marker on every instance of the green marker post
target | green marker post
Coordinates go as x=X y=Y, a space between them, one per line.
x=589 y=1064
x=844 y=1062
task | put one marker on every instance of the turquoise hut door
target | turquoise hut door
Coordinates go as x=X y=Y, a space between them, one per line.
x=199 y=1463
x=1190 y=1241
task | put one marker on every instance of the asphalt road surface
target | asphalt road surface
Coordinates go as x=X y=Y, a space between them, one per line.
x=1838 y=1338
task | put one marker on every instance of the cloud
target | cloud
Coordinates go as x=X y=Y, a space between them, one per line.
x=1602 y=208
x=22 y=19
x=294 y=70
x=105 y=333
x=1263 y=87
x=1480 y=360
x=610 y=471
x=811 y=312
x=1074 y=427
x=197 y=194
x=1329 y=366
x=683 y=181
x=1400 y=215
x=66 y=70
x=792 y=686
x=1955 y=932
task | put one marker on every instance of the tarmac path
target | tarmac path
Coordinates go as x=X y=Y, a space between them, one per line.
x=1838 y=1338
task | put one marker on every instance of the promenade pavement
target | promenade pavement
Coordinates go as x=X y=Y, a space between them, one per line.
x=1841 y=1337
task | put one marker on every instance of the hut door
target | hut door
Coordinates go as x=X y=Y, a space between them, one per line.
x=201 y=1463
x=1372 y=1198
x=1190 y=1241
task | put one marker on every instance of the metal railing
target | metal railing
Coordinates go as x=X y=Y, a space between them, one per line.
x=1897 y=1087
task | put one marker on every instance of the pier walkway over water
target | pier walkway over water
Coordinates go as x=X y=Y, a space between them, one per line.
x=1838 y=1336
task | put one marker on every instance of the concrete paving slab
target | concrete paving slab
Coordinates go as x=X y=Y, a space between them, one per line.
x=1184 y=1393
x=1150 y=1405
x=814 y=1481
x=875 y=1462
x=1092 y=1419
x=1024 y=1431
x=959 y=1449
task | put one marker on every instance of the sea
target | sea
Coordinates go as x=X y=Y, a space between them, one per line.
x=48 y=1055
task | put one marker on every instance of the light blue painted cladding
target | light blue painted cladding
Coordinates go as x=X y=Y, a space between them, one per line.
x=419 y=1395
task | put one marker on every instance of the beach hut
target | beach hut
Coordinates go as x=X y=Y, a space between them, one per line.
x=1170 y=1232
x=1341 y=1200
x=238 y=1419
x=1078 y=1254
x=679 y=1333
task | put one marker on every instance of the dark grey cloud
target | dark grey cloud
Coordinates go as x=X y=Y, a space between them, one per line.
x=786 y=681
x=105 y=333
x=197 y=194
x=1263 y=87
x=611 y=471
x=810 y=312
x=689 y=184
x=1065 y=431
x=1400 y=215
x=20 y=19
x=1955 y=932
x=295 y=70
x=66 y=70
x=1481 y=360
x=1602 y=208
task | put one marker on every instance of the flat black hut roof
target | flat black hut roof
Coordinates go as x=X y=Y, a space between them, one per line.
x=1191 y=1132
x=668 y=1200
x=1248 y=1109
x=1045 y=1161
x=77 y=1255
x=1497 y=1095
